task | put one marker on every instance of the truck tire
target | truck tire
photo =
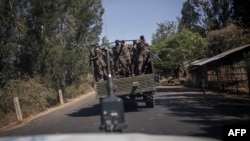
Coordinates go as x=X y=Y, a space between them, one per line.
x=100 y=100
x=150 y=102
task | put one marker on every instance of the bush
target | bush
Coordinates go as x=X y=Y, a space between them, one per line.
x=33 y=98
x=76 y=90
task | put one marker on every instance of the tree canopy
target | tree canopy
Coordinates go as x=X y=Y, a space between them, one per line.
x=47 y=38
x=184 y=46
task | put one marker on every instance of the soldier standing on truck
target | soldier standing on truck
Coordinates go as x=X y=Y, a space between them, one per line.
x=147 y=61
x=125 y=59
x=97 y=56
x=102 y=62
x=93 y=57
x=141 y=54
x=133 y=58
x=116 y=49
x=111 y=58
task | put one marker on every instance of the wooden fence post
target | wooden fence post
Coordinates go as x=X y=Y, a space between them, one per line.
x=18 y=109
x=60 y=96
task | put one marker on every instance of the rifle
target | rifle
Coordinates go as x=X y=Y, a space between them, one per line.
x=154 y=56
x=118 y=41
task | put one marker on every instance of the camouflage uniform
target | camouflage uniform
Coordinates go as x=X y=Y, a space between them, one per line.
x=97 y=56
x=93 y=57
x=111 y=59
x=133 y=53
x=147 y=61
x=125 y=59
x=116 y=61
x=141 y=54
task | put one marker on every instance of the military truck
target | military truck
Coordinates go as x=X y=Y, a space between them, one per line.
x=132 y=88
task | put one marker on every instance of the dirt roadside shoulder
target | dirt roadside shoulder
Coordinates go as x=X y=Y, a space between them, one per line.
x=18 y=124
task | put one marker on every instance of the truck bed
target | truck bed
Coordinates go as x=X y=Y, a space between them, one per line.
x=128 y=85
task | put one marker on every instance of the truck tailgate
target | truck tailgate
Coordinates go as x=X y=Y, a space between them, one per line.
x=127 y=85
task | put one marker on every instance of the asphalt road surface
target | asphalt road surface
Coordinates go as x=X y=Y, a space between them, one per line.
x=178 y=111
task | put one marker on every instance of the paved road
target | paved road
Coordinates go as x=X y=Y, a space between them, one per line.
x=179 y=111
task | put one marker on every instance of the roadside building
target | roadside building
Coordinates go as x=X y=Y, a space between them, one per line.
x=226 y=71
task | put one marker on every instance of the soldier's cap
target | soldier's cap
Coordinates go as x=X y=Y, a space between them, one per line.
x=123 y=41
x=117 y=41
x=142 y=37
x=134 y=41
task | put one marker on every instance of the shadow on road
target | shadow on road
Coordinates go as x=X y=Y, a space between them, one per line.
x=133 y=107
x=95 y=110
x=87 y=111
x=210 y=111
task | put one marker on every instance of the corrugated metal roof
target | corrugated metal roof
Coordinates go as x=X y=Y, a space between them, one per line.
x=218 y=56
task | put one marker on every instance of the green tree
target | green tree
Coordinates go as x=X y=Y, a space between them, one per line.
x=164 y=30
x=190 y=17
x=180 y=49
x=219 y=13
x=226 y=38
x=205 y=15
x=47 y=38
x=11 y=34
x=241 y=13
x=81 y=23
